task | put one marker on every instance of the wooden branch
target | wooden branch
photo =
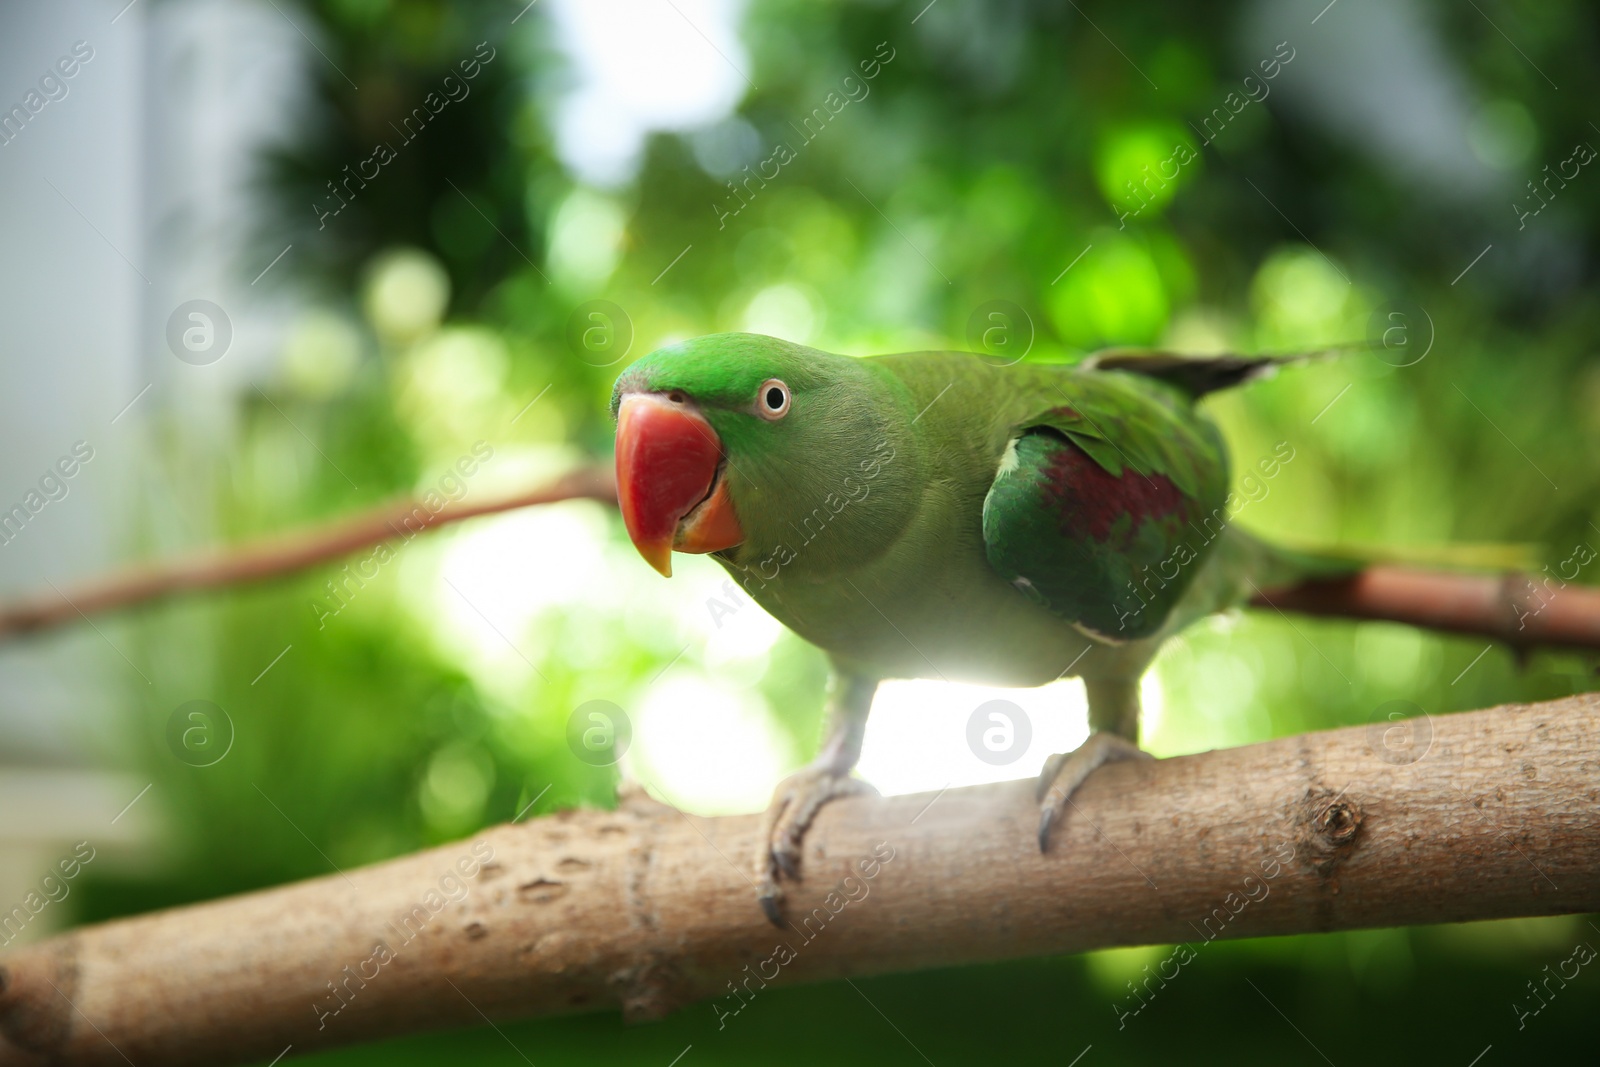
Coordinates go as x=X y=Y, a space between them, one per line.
x=276 y=556
x=1476 y=815
x=1514 y=608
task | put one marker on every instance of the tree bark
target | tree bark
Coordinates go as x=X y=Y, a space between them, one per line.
x=276 y=556
x=1476 y=815
x=1513 y=608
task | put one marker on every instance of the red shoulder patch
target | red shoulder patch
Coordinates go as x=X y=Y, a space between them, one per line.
x=1089 y=500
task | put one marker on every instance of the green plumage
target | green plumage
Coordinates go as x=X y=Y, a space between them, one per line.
x=1100 y=505
x=930 y=515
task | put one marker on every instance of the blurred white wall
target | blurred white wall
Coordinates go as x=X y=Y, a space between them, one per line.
x=126 y=189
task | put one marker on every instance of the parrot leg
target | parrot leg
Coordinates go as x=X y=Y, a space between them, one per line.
x=1114 y=735
x=799 y=797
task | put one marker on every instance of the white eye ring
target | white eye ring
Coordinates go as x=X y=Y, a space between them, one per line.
x=772 y=399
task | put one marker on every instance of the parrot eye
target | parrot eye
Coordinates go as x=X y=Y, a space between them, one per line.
x=772 y=402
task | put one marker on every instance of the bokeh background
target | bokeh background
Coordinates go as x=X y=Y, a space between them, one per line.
x=1264 y=176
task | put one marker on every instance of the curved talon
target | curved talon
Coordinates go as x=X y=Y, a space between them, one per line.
x=1047 y=774
x=1064 y=772
x=795 y=804
x=787 y=858
x=785 y=844
x=770 y=898
x=1046 y=817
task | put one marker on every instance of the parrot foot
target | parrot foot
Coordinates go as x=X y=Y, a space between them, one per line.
x=1065 y=771
x=795 y=803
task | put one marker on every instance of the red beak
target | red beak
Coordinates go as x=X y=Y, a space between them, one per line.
x=669 y=482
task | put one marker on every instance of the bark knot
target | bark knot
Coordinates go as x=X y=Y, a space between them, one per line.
x=1330 y=828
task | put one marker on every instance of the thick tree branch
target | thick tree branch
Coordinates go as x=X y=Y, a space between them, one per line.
x=276 y=556
x=1468 y=816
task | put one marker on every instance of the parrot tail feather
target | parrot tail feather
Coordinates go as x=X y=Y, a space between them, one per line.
x=1199 y=375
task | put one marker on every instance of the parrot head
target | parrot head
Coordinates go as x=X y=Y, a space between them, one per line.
x=721 y=438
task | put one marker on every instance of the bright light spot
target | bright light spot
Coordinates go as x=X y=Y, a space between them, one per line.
x=528 y=582
x=1143 y=166
x=528 y=561
x=451 y=388
x=585 y=240
x=781 y=311
x=640 y=66
x=462 y=365
x=706 y=749
x=456 y=786
x=723 y=149
x=916 y=738
x=1115 y=295
x=1301 y=299
x=741 y=630
x=1152 y=707
x=1200 y=332
x=1395 y=657
x=321 y=354
x=917 y=735
x=1112 y=968
x=498 y=575
x=406 y=294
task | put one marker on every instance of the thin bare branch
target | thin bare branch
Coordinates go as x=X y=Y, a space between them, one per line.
x=1519 y=610
x=1514 y=608
x=276 y=556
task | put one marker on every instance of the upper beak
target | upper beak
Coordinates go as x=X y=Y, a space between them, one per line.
x=669 y=480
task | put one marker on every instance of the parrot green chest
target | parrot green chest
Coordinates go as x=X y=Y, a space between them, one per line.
x=926 y=603
x=935 y=610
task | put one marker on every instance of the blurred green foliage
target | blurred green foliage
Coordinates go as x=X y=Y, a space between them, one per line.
x=993 y=153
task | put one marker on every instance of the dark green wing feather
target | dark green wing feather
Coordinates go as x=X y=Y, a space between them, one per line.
x=1199 y=375
x=1107 y=501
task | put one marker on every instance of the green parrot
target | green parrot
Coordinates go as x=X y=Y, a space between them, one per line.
x=932 y=515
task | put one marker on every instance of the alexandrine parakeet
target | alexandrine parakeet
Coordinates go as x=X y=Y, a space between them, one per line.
x=931 y=515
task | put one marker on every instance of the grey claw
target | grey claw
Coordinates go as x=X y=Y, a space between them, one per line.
x=1047 y=775
x=772 y=904
x=788 y=863
x=1046 y=817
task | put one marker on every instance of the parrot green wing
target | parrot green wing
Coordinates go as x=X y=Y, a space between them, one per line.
x=1106 y=501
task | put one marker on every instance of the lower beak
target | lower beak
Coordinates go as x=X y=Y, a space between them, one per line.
x=670 y=482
